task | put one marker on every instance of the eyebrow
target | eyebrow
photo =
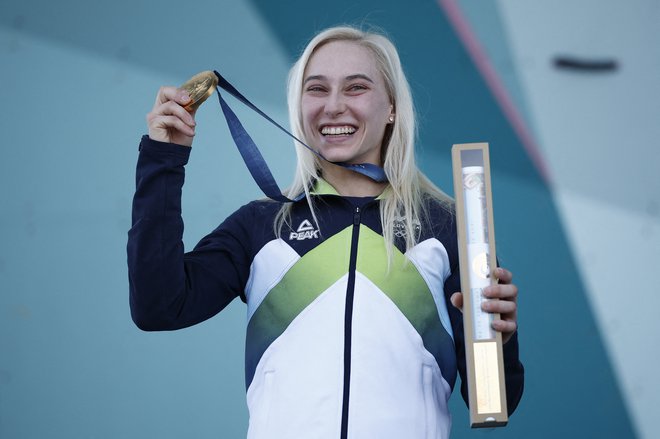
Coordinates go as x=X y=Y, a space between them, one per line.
x=348 y=78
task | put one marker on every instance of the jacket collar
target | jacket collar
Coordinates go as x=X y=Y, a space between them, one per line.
x=322 y=187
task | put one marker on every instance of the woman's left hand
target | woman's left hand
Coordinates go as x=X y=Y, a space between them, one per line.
x=506 y=306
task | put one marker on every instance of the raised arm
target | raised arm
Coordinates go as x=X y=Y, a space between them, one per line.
x=170 y=289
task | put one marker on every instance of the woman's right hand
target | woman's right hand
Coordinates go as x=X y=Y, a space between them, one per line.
x=168 y=121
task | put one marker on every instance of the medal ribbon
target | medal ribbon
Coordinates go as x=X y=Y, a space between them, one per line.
x=255 y=161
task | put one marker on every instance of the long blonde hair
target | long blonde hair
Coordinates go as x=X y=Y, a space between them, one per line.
x=404 y=199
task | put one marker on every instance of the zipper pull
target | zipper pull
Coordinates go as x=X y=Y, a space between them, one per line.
x=356 y=216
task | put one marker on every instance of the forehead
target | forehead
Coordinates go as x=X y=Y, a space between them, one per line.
x=340 y=59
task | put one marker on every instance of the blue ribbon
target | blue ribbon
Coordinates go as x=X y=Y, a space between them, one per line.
x=255 y=161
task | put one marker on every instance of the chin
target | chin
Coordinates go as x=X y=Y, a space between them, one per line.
x=349 y=153
x=337 y=155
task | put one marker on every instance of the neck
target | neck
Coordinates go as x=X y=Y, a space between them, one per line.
x=350 y=183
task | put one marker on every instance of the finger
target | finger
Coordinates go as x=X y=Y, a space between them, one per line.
x=172 y=122
x=165 y=123
x=499 y=307
x=171 y=108
x=168 y=93
x=457 y=300
x=501 y=291
x=504 y=326
x=503 y=275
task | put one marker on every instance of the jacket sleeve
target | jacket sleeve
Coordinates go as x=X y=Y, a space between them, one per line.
x=513 y=369
x=170 y=289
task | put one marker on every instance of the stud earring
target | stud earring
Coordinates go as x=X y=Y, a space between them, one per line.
x=391 y=118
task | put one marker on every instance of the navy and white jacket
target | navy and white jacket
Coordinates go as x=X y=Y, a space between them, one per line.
x=337 y=346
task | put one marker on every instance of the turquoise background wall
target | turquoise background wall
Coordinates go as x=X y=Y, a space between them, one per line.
x=78 y=79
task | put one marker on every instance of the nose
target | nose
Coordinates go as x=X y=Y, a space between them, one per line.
x=334 y=104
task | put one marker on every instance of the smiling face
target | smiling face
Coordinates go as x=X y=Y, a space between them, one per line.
x=345 y=104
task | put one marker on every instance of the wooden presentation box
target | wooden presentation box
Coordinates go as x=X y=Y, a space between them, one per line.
x=477 y=257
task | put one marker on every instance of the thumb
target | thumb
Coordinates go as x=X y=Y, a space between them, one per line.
x=457 y=301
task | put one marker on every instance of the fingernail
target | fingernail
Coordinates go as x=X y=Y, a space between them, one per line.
x=185 y=97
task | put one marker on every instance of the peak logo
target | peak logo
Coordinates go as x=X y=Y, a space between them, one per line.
x=305 y=231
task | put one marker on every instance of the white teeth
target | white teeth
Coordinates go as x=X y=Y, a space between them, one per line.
x=334 y=131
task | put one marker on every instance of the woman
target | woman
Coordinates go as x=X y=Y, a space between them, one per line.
x=354 y=323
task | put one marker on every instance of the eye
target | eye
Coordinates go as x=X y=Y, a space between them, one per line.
x=315 y=88
x=356 y=88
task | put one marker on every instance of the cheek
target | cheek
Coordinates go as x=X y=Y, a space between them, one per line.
x=308 y=111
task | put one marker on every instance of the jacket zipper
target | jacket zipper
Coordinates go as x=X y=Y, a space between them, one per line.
x=348 y=322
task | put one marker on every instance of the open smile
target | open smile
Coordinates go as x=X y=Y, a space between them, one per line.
x=337 y=130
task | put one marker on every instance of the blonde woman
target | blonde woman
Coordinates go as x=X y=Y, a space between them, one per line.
x=354 y=322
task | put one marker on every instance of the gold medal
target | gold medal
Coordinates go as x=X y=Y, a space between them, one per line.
x=199 y=87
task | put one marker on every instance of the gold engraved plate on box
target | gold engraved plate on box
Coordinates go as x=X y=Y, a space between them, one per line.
x=487 y=378
x=199 y=87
